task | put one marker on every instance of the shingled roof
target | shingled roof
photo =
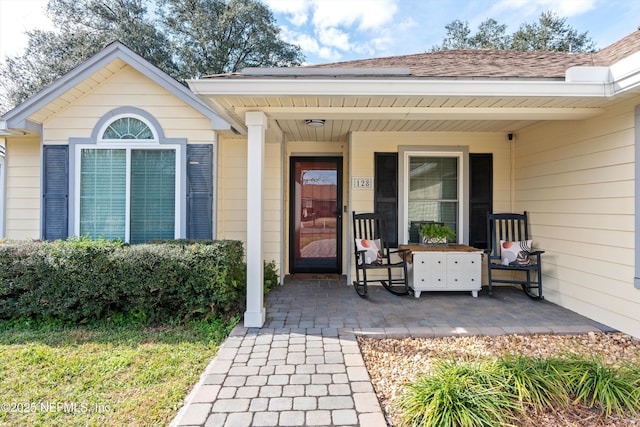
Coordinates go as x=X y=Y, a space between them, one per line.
x=487 y=63
x=479 y=63
x=470 y=63
x=620 y=49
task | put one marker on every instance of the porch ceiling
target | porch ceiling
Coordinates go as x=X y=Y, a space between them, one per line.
x=345 y=114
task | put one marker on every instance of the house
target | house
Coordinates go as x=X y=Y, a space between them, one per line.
x=117 y=148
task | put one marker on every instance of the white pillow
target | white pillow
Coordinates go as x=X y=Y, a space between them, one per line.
x=372 y=254
x=516 y=252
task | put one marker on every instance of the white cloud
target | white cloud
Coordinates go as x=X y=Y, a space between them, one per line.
x=297 y=10
x=310 y=45
x=368 y=15
x=529 y=8
x=328 y=54
x=334 y=37
x=17 y=17
x=567 y=8
x=329 y=29
x=306 y=42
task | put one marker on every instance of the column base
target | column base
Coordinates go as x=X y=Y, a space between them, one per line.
x=254 y=319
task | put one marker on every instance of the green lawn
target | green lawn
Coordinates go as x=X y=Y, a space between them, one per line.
x=106 y=375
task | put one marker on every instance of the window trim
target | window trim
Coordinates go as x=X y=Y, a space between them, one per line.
x=129 y=147
x=95 y=141
x=117 y=117
x=462 y=153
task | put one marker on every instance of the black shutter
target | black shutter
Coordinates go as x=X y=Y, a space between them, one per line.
x=385 y=197
x=199 y=191
x=480 y=198
x=55 y=192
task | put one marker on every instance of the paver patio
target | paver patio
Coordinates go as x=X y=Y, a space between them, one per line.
x=304 y=366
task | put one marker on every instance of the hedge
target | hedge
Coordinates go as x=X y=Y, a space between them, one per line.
x=81 y=280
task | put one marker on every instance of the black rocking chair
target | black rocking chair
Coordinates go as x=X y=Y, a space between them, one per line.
x=512 y=227
x=372 y=252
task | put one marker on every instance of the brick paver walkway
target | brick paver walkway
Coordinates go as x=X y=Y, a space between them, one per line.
x=304 y=368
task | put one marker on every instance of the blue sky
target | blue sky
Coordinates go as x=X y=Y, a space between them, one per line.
x=341 y=30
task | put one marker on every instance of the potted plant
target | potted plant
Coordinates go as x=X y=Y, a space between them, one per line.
x=436 y=234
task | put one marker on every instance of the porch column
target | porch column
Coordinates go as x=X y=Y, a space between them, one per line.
x=256 y=123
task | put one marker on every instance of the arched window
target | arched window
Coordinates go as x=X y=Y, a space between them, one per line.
x=129 y=181
x=128 y=128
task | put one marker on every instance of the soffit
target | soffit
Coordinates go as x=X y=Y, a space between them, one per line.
x=345 y=114
x=78 y=91
x=460 y=90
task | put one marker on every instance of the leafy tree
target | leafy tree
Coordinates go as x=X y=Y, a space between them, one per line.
x=550 y=33
x=220 y=36
x=127 y=21
x=86 y=26
x=49 y=56
x=184 y=38
x=457 y=36
x=490 y=35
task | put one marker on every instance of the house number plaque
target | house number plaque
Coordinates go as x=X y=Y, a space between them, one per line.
x=362 y=182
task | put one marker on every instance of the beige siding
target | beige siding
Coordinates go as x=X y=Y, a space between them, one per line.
x=273 y=206
x=232 y=189
x=232 y=195
x=128 y=88
x=576 y=179
x=23 y=188
x=364 y=145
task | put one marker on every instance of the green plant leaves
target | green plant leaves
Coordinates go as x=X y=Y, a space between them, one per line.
x=81 y=280
x=459 y=394
x=495 y=392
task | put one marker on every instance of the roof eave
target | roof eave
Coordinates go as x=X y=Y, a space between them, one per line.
x=398 y=87
x=18 y=116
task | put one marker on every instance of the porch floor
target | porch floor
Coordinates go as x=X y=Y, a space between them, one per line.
x=326 y=301
x=304 y=367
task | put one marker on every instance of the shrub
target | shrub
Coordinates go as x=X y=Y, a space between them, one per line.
x=492 y=393
x=271 y=277
x=81 y=280
x=592 y=382
x=459 y=394
x=535 y=381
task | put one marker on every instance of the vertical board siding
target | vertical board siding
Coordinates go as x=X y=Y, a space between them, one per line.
x=576 y=180
x=55 y=192
x=199 y=191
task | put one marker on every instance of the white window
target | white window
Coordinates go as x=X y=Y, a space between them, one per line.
x=128 y=184
x=434 y=190
x=128 y=128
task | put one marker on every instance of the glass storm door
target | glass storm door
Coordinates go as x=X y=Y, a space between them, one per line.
x=315 y=233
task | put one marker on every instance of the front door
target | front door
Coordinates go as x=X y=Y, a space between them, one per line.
x=315 y=232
